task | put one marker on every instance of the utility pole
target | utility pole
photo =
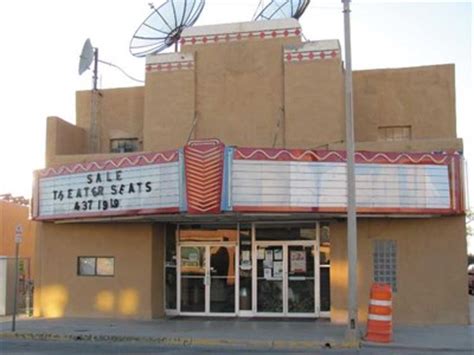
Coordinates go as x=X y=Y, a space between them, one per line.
x=352 y=333
x=18 y=240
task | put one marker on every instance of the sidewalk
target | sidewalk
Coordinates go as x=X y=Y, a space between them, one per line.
x=431 y=338
x=237 y=333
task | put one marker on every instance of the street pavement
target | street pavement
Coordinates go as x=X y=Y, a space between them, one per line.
x=204 y=335
x=15 y=347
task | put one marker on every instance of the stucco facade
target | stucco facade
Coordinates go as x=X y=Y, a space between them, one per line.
x=258 y=85
x=11 y=215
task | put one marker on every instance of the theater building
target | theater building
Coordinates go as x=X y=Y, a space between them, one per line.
x=218 y=188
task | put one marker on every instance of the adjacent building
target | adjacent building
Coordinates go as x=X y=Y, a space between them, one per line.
x=218 y=188
x=14 y=212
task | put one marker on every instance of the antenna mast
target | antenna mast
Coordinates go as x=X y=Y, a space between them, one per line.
x=88 y=56
x=96 y=65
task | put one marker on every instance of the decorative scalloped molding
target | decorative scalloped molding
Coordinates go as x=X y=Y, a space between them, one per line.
x=137 y=160
x=392 y=158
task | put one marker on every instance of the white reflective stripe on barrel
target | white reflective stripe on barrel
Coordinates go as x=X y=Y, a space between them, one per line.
x=377 y=317
x=380 y=303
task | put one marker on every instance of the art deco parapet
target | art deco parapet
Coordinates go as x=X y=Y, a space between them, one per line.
x=169 y=62
x=240 y=32
x=312 y=51
x=169 y=100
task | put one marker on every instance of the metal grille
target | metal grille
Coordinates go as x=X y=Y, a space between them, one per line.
x=385 y=262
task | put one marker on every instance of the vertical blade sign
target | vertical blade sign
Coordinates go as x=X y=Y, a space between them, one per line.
x=204 y=162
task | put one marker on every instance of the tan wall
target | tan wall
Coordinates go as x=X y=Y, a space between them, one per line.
x=244 y=94
x=61 y=292
x=314 y=103
x=119 y=114
x=83 y=158
x=421 y=97
x=419 y=145
x=157 y=277
x=240 y=91
x=169 y=109
x=12 y=214
x=431 y=269
x=64 y=138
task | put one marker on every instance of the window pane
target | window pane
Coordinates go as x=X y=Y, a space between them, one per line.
x=270 y=279
x=245 y=266
x=105 y=266
x=211 y=233
x=300 y=279
x=86 y=266
x=286 y=232
x=125 y=145
x=325 y=246
x=170 y=287
x=394 y=133
x=325 y=289
x=385 y=262
x=170 y=245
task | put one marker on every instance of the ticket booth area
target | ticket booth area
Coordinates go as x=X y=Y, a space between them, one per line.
x=247 y=270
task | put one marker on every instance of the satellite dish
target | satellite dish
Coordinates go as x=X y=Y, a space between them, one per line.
x=90 y=54
x=163 y=27
x=279 y=9
x=87 y=56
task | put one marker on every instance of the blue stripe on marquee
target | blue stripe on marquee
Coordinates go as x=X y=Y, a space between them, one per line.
x=183 y=206
x=226 y=197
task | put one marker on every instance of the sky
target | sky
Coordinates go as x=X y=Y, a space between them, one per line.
x=42 y=40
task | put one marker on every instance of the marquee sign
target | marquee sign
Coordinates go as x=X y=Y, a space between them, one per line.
x=135 y=185
x=206 y=177
x=315 y=181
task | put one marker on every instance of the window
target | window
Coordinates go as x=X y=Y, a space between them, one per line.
x=285 y=232
x=245 y=267
x=394 y=133
x=385 y=263
x=170 y=267
x=124 y=145
x=325 y=267
x=95 y=266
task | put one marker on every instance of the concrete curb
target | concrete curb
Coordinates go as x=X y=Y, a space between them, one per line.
x=398 y=346
x=187 y=341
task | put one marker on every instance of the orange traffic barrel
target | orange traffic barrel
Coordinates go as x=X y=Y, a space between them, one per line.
x=379 y=322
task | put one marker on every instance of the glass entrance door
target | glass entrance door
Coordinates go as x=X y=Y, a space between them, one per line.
x=193 y=279
x=222 y=279
x=301 y=280
x=270 y=279
x=285 y=279
x=207 y=279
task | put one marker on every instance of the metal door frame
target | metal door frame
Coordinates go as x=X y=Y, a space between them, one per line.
x=207 y=278
x=285 y=245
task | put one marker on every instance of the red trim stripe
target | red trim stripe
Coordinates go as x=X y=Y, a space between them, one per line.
x=121 y=213
x=114 y=163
